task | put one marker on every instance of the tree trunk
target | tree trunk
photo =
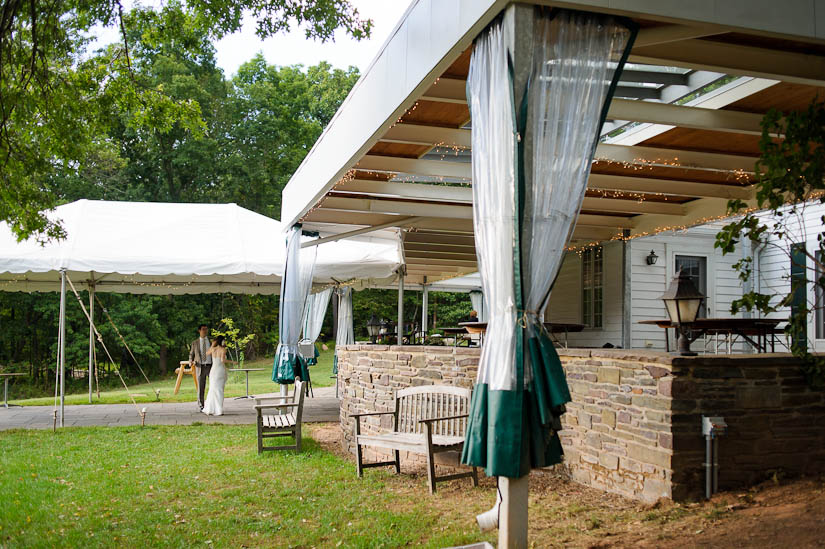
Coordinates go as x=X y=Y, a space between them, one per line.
x=162 y=359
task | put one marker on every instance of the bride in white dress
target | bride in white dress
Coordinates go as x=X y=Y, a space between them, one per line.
x=217 y=378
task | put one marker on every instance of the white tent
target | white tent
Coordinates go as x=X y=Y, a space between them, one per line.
x=162 y=248
x=166 y=248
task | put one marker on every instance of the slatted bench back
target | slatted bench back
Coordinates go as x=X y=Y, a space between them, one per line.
x=428 y=401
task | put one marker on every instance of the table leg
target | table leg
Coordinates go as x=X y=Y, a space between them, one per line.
x=180 y=378
x=6 y=392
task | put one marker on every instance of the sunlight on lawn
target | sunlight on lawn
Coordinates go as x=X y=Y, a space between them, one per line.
x=205 y=484
x=259 y=383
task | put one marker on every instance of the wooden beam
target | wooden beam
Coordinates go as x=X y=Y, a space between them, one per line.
x=416 y=134
x=655 y=156
x=433 y=254
x=697 y=212
x=447 y=90
x=597 y=181
x=666 y=34
x=408 y=190
x=631 y=206
x=667 y=186
x=435 y=262
x=389 y=206
x=437 y=168
x=685 y=117
x=432 y=135
x=798 y=68
x=417 y=247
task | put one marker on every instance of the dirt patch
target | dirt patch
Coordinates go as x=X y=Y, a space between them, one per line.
x=565 y=514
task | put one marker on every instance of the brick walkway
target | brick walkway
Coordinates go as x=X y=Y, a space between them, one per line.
x=323 y=407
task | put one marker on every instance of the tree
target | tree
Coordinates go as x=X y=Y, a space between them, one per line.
x=790 y=177
x=55 y=99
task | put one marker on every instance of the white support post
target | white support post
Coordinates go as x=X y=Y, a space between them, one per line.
x=512 y=526
x=91 y=337
x=424 y=306
x=400 y=329
x=61 y=350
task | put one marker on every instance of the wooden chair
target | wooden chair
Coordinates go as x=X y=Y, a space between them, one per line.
x=428 y=420
x=284 y=424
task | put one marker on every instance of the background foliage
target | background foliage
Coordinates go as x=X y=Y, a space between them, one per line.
x=168 y=126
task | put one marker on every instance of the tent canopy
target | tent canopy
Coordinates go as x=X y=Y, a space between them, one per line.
x=168 y=248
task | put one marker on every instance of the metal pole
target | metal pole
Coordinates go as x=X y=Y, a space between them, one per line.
x=62 y=345
x=91 y=336
x=715 y=464
x=400 y=329
x=512 y=526
x=708 y=467
x=424 y=306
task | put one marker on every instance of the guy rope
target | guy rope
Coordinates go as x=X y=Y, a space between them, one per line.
x=99 y=337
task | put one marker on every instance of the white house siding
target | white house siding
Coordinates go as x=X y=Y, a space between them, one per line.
x=647 y=284
x=774 y=262
x=566 y=299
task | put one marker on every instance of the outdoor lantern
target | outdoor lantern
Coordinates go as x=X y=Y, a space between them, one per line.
x=682 y=301
x=652 y=257
x=373 y=326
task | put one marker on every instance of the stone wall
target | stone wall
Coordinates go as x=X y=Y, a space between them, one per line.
x=617 y=434
x=368 y=376
x=634 y=425
x=775 y=421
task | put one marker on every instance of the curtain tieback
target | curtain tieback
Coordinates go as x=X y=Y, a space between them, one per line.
x=523 y=315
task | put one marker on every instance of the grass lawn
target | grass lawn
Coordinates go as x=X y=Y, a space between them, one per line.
x=259 y=383
x=205 y=485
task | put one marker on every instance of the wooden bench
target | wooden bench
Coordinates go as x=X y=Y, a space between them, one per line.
x=284 y=424
x=427 y=420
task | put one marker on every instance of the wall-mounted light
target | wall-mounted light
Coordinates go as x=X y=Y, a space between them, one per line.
x=651 y=258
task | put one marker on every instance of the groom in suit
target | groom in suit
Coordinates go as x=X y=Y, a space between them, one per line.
x=203 y=361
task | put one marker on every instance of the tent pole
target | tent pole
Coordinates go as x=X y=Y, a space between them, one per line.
x=91 y=335
x=400 y=329
x=62 y=345
x=512 y=527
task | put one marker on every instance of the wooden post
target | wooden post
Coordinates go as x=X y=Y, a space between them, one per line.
x=91 y=336
x=512 y=525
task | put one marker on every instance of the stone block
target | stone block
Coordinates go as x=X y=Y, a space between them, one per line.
x=665 y=387
x=648 y=455
x=430 y=374
x=609 y=461
x=656 y=371
x=758 y=397
x=652 y=402
x=610 y=375
x=609 y=418
x=666 y=440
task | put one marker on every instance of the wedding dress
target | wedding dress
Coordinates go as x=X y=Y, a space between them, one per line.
x=217 y=381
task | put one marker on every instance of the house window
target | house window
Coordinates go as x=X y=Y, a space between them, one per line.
x=696 y=269
x=592 y=284
x=820 y=296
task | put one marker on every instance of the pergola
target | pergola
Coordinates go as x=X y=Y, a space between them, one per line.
x=397 y=153
x=680 y=139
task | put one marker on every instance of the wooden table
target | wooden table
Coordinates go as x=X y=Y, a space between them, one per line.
x=551 y=327
x=758 y=332
x=186 y=368
x=6 y=377
x=455 y=332
x=246 y=371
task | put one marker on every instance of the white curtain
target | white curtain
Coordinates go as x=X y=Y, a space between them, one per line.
x=346 y=330
x=479 y=304
x=489 y=94
x=531 y=160
x=295 y=286
x=314 y=313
